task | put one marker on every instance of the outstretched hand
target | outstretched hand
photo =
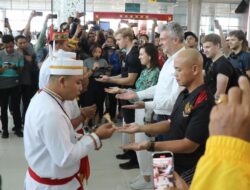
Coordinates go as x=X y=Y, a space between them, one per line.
x=113 y=90
x=136 y=105
x=105 y=131
x=136 y=146
x=128 y=128
x=128 y=95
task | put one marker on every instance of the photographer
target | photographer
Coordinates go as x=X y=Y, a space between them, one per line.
x=95 y=93
x=11 y=64
x=112 y=57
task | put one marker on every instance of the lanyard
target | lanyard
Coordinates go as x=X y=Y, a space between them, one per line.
x=45 y=90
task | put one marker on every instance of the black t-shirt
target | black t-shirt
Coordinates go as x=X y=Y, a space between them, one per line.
x=205 y=59
x=220 y=66
x=240 y=61
x=189 y=119
x=131 y=64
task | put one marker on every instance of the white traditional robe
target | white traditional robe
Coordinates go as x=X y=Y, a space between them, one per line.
x=51 y=148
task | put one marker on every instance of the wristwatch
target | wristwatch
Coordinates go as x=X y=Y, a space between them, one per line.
x=151 y=147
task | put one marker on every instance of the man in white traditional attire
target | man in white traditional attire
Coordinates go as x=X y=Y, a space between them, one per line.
x=52 y=150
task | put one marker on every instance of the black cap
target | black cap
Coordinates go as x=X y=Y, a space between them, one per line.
x=189 y=33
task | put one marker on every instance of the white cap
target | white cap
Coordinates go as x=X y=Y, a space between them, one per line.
x=62 y=53
x=65 y=66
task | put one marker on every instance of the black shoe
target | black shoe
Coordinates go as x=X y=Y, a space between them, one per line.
x=17 y=129
x=126 y=155
x=19 y=133
x=129 y=165
x=5 y=135
x=123 y=156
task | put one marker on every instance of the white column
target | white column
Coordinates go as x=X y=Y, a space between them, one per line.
x=194 y=15
x=248 y=26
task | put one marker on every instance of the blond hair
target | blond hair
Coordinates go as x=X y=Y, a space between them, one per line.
x=125 y=32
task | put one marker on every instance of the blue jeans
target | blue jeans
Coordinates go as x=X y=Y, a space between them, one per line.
x=162 y=137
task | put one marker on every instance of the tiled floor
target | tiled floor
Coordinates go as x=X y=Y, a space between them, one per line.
x=105 y=173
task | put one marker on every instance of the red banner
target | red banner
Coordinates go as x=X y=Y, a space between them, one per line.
x=135 y=16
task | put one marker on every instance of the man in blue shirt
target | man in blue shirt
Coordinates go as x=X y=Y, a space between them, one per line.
x=11 y=63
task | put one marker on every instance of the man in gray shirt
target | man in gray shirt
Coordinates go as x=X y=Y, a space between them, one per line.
x=11 y=63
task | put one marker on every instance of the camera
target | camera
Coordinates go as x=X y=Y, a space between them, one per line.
x=109 y=47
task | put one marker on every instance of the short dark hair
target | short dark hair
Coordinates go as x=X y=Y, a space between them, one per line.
x=189 y=33
x=93 y=47
x=157 y=35
x=20 y=37
x=241 y=36
x=111 y=37
x=7 y=38
x=152 y=51
x=214 y=38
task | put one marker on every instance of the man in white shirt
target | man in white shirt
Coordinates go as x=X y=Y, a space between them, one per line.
x=164 y=94
x=52 y=150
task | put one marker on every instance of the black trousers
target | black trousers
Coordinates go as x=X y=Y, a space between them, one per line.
x=12 y=94
x=27 y=92
x=112 y=105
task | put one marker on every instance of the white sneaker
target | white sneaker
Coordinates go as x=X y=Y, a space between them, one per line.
x=142 y=184
x=136 y=179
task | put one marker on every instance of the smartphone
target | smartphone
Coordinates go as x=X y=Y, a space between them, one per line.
x=216 y=23
x=7 y=65
x=91 y=22
x=85 y=27
x=39 y=13
x=6 y=21
x=52 y=16
x=163 y=168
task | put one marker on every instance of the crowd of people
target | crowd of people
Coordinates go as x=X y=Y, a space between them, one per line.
x=60 y=88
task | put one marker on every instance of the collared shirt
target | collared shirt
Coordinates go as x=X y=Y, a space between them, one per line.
x=240 y=61
x=165 y=92
x=51 y=147
x=189 y=119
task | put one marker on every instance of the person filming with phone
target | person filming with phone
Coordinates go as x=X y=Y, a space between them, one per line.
x=187 y=129
x=11 y=64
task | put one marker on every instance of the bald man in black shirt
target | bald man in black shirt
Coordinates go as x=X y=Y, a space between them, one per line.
x=187 y=129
